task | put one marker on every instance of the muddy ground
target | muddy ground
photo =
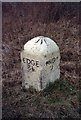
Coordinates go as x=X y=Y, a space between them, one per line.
x=22 y=22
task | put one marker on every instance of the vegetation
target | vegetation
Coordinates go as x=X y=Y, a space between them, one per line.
x=22 y=22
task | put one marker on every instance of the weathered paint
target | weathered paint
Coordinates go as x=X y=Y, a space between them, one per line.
x=40 y=61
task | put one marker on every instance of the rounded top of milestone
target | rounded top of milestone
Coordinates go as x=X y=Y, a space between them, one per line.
x=41 y=45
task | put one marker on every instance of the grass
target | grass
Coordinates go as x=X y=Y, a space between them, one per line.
x=59 y=91
x=59 y=98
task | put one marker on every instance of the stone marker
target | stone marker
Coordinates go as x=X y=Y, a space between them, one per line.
x=40 y=62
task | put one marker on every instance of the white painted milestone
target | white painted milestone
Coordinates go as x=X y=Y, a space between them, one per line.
x=40 y=61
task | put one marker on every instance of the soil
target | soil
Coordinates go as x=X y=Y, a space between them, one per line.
x=22 y=22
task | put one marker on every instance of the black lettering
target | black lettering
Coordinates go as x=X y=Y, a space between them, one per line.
x=24 y=60
x=28 y=61
x=28 y=66
x=48 y=62
x=37 y=63
x=33 y=69
x=57 y=57
x=51 y=61
x=32 y=62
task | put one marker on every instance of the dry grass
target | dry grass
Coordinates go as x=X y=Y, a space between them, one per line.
x=20 y=24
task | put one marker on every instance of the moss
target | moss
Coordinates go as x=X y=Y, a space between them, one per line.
x=60 y=85
x=58 y=91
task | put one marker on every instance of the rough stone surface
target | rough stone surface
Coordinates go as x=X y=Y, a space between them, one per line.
x=40 y=62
